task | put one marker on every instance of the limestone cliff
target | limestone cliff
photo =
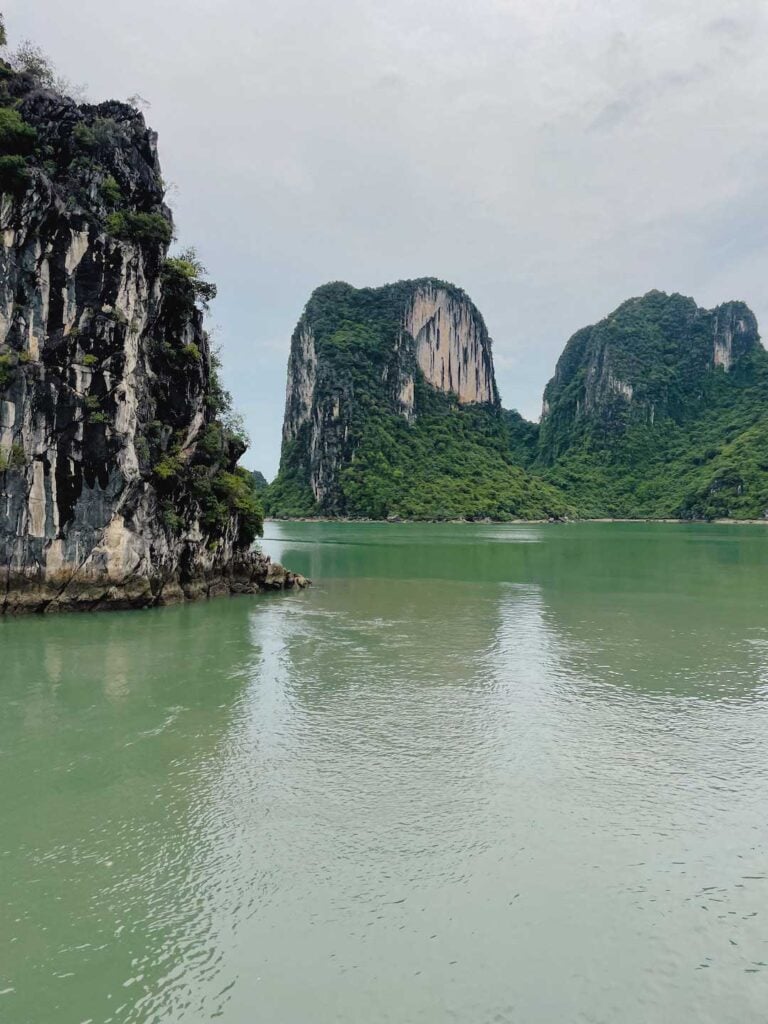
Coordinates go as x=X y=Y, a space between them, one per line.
x=650 y=360
x=452 y=347
x=660 y=410
x=392 y=410
x=118 y=477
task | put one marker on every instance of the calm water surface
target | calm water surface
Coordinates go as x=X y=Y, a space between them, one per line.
x=477 y=774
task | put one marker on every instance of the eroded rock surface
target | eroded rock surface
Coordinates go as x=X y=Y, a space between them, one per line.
x=358 y=349
x=119 y=482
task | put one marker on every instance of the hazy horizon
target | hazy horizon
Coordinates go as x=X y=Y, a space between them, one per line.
x=553 y=161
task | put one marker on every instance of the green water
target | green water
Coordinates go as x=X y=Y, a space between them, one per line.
x=477 y=774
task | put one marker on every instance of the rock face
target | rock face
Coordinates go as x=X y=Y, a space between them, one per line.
x=660 y=410
x=452 y=347
x=648 y=361
x=392 y=410
x=423 y=331
x=118 y=477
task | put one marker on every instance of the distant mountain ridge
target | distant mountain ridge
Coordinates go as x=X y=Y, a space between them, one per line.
x=660 y=410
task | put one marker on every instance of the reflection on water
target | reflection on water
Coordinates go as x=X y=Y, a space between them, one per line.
x=476 y=774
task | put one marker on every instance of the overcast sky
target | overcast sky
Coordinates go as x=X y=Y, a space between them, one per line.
x=551 y=157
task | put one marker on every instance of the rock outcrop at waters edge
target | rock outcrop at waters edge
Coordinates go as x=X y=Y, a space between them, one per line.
x=392 y=410
x=650 y=361
x=119 y=483
x=658 y=411
x=661 y=411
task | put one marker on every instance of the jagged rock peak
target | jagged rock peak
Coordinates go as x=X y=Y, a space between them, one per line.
x=354 y=343
x=436 y=321
x=645 y=361
x=119 y=482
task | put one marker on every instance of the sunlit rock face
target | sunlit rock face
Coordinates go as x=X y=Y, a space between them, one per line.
x=106 y=382
x=452 y=347
x=357 y=353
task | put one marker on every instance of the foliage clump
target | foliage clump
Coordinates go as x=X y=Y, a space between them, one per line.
x=110 y=191
x=17 y=142
x=7 y=363
x=12 y=458
x=184 y=281
x=139 y=227
x=16 y=136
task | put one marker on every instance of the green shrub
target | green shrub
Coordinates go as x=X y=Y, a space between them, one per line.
x=16 y=136
x=218 y=399
x=211 y=442
x=139 y=227
x=141 y=444
x=13 y=173
x=7 y=363
x=171 y=518
x=119 y=317
x=183 y=278
x=237 y=492
x=84 y=136
x=168 y=468
x=103 y=132
x=17 y=140
x=227 y=494
x=106 y=131
x=90 y=360
x=14 y=458
x=191 y=353
x=110 y=191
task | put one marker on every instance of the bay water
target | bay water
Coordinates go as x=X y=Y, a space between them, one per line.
x=477 y=773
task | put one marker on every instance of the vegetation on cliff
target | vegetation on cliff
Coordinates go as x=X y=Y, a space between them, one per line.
x=660 y=410
x=427 y=456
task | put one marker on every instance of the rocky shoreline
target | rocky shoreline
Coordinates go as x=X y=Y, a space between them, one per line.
x=37 y=592
x=119 y=448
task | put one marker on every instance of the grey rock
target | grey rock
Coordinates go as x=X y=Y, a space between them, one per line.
x=106 y=380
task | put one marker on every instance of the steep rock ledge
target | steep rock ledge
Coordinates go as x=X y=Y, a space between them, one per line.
x=452 y=346
x=91 y=588
x=410 y=333
x=392 y=410
x=119 y=483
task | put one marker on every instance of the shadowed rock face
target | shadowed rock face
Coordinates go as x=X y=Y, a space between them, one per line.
x=113 y=461
x=424 y=331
